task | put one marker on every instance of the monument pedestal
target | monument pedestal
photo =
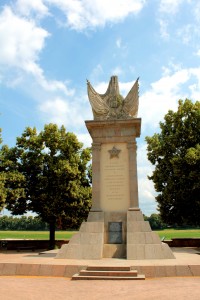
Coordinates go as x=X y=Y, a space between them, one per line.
x=115 y=226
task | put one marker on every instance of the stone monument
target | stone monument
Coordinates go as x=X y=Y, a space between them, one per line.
x=115 y=227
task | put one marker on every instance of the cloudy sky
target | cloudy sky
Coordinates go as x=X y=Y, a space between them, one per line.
x=48 y=48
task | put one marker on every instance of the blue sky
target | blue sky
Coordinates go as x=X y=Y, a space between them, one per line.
x=48 y=48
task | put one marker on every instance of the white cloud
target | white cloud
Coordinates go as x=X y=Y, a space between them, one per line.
x=82 y=14
x=21 y=40
x=48 y=85
x=27 y=7
x=164 y=29
x=117 y=71
x=196 y=11
x=168 y=13
x=198 y=52
x=145 y=186
x=186 y=33
x=71 y=112
x=119 y=43
x=170 y=6
x=56 y=110
x=96 y=73
x=84 y=138
x=163 y=95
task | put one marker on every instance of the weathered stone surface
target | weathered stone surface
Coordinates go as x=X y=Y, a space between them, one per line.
x=134 y=216
x=92 y=251
x=114 y=251
x=138 y=226
x=95 y=216
x=75 y=239
x=183 y=271
x=136 y=237
x=195 y=270
x=167 y=251
x=91 y=238
x=92 y=227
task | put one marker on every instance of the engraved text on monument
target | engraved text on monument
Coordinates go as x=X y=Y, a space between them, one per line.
x=114 y=178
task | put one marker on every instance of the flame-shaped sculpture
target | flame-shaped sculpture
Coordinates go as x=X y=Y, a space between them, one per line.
x=112 y=105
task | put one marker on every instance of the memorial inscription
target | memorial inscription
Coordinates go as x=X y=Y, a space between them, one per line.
x=115 y=232
x=114 y=178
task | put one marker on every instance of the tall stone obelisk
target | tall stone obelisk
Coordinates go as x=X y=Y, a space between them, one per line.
x=115 y=225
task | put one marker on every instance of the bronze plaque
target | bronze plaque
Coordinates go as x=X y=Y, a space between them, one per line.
x=115 y=232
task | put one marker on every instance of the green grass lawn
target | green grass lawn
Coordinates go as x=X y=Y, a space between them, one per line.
x=65 y=235
x=36 y=235
x=179 y=233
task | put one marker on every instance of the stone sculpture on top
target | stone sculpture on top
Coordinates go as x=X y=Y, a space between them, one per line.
x=111 y=105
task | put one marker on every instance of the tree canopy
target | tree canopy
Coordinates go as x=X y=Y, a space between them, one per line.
x=54 y=181
x=175 y=152
x=9 y=174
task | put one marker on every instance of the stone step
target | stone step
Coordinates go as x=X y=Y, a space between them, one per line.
x=108 y=268
x=79 y=277
x=132 y=273
x=108 y=273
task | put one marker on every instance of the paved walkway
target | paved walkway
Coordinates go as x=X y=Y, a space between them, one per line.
x=187 y=263
x=50 y=288
x=34 y=288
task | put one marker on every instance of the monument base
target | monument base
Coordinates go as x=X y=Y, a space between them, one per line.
x=142 y=242
x=115 y=235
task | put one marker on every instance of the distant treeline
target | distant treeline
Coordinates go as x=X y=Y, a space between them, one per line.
x=22 y=223
x=35 y=223
x=155 y=222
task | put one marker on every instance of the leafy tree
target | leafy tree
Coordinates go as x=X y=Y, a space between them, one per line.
x=2 y=179
x=175 y=152
x=56 y=184
x=10 y=178
x=155 y=221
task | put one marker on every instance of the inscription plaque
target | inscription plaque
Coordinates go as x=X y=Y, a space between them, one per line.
x=115 y=232
x=114 y=178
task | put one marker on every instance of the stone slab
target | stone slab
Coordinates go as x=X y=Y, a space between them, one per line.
x=45 y=270
x=58 y=270
x=114 y=251
x=9 y=269
x=168 y=254
x=134 y=216
x=148 y=251
x=95 y=216
x=91 y=251
x=138 y=226
x=195 y=270
x=92 y=227
x=183 y=271
x=91 y=238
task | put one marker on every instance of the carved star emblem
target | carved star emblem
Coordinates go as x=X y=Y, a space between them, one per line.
x=114 y=152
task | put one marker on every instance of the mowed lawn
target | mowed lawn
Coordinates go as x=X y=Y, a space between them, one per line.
x=179 y=233
x=35 y=235
x=65 y=235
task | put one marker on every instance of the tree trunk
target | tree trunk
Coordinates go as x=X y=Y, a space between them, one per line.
x=52 y=228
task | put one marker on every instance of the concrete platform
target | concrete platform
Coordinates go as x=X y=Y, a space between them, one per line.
x=187 y=263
